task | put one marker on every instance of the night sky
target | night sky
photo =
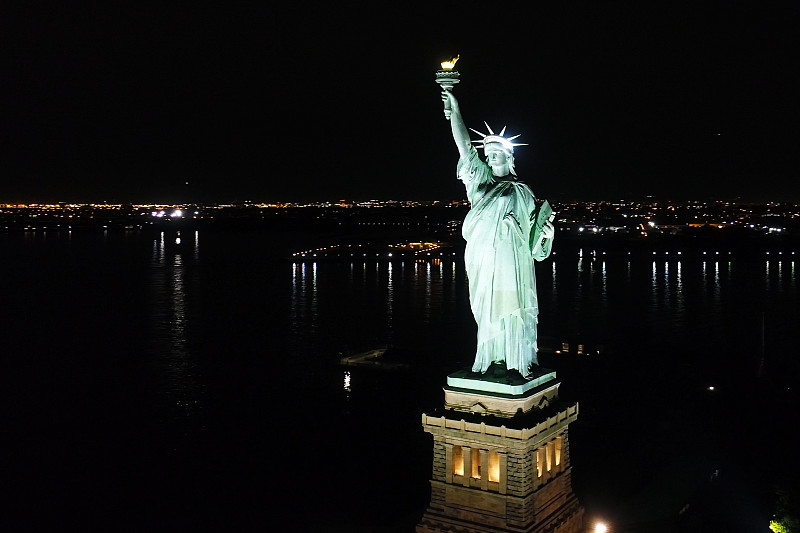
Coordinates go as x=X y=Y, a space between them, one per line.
x=216 y=103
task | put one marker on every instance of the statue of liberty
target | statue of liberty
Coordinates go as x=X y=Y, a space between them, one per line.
x=506 y=230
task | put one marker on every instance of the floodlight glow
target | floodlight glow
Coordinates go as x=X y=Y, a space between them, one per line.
x=600 y=528
x=176 y=213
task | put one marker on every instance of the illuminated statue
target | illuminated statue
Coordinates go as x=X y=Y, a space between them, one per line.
x=506 y=229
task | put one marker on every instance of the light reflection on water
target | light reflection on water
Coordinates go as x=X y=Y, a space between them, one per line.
x=604 y=280
x=653 y=300
x=302 y=315
x=428 y=284
x=681 y=301
x=170 y=321
x=390 y=295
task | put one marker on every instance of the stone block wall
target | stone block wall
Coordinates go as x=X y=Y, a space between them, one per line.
x=439 y=472
x=523 y=500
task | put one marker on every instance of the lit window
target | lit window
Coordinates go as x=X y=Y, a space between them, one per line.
x=476 y=463
x=458 y=461
x=539 y=463
x=494 y=467
x=558 y=450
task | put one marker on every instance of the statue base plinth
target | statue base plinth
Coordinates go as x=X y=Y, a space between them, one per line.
x=500 y=393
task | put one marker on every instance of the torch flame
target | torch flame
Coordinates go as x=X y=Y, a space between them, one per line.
x=448 y=65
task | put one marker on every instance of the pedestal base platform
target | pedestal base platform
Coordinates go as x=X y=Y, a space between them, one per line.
x=504 y=395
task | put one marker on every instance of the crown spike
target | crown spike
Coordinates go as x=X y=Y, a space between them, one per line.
x=493 y=137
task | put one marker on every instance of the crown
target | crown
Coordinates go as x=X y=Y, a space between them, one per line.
x=493 y=137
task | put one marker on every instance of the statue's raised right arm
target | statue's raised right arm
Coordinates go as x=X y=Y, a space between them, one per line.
x=460 y=133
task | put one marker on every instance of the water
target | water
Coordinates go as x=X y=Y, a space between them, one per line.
x=190 y=381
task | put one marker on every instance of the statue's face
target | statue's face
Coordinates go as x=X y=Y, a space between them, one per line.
x=497 y=159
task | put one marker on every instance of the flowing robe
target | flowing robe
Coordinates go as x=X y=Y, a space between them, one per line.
x=499 y=262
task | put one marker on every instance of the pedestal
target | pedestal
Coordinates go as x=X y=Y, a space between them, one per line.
x=501 y=459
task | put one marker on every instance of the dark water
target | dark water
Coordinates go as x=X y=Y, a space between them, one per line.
x=154 y=384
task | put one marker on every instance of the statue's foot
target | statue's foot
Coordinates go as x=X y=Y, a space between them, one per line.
x=533 y=371
x=497 y=370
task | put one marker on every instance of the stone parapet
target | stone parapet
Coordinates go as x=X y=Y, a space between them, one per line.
x=500 y=435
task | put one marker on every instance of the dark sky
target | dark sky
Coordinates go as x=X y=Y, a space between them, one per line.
x=254 y=102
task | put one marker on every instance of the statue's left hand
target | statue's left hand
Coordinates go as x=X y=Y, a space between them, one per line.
x=548 y=230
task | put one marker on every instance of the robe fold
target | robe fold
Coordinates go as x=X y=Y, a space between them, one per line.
x=499 y=263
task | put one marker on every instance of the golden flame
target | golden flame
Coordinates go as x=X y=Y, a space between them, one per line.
x=448 y=65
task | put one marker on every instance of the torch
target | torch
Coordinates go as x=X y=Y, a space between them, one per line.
x=447 y=78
